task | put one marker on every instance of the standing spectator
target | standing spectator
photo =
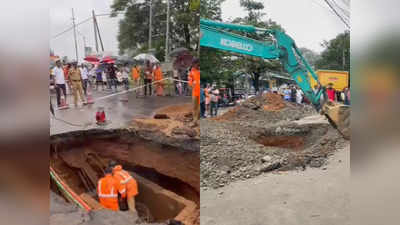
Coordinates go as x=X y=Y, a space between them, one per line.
x=331 y=92
x=113 y=77
x=293 y=93
x=59 y=81
x=195 y=84
x=66 y=70
x=84 y=73
x=207 y=95
x=75 y=77
x=148 y=78
x=125 y=76
x=214 y=102
x=176 y=78
x=287 y=94
x=299 y=95
x=158 y=76
x=202 y=103
x=136 y=71
x=99 y=79
x=346 y=96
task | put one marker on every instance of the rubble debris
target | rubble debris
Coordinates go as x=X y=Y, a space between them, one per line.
x=251 y=140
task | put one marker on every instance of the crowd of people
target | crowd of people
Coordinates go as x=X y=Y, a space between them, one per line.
x=209 y=99
x=147 y=80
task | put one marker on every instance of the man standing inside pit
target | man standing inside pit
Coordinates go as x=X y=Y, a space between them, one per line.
x=75 y=77
x=194 y=82
x=108 y=188
x=127 y=182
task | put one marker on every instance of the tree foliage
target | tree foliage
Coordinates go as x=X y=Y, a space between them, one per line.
x=336 y=55
x=134 y=27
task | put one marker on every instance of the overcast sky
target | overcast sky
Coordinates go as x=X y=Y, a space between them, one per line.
x=308 y=22
x=61 y=19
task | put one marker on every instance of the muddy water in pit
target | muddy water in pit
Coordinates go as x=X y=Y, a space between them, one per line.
x=168 y=177
x=289 y=142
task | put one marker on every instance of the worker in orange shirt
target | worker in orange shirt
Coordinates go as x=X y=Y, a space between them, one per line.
x=194 y=82
x=108 y=188
x=158 y=76
x=136 y=78
x=127 y=181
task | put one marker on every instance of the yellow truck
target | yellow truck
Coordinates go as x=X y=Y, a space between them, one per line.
x=339 y=79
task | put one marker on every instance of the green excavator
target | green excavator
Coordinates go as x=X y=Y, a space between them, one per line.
x=278 y=46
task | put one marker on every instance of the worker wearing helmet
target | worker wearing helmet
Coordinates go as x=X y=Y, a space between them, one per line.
x=126 y=181
x=194 y=82
x=108 y=188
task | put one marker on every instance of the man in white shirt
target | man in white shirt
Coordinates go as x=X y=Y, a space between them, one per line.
x=125 y=76
x=84 y=74
x=59 y=81
x=299 y=95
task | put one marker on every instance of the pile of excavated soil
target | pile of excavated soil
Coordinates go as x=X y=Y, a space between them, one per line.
x=266 y=109
x=260 y=136
x=230 y=151
x=181 y=112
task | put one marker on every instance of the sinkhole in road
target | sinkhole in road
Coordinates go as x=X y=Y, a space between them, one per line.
x=167 y=177
x=292 y=137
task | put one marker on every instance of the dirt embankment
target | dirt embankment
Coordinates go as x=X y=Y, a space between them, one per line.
x=260 y=136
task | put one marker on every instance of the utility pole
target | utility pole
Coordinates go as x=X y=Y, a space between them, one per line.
x=167 y=35
x=95 y=31
x=98 y=32
x=150 y=22
x=76 y=45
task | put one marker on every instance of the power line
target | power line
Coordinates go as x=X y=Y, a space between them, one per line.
x=334 y=10
x=82 y=22
x=72 y=27
x=345 y=11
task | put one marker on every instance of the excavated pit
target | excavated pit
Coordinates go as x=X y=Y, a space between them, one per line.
x=167 y=176
x=291 y=137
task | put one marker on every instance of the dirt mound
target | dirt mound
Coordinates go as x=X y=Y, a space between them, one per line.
x=181 y=112
x=268 y=108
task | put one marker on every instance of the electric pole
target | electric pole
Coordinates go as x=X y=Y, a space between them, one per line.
x=167 y=35
x=95 y=31
x=76 y=45
x=150 y=22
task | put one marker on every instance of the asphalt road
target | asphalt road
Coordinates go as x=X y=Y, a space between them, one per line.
x=118 y=112
x=315 y=196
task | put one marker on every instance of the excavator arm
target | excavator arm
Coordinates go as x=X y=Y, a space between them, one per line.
x=281 y=47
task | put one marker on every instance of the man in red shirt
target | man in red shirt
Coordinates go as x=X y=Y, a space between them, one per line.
x=331 y=92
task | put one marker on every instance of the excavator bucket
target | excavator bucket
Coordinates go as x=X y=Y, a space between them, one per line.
x=339 y=117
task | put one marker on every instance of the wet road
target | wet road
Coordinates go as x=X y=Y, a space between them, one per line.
x=120 y=113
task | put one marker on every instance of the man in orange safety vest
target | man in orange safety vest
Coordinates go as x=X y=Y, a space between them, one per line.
x=128 y=182
x=108 y=188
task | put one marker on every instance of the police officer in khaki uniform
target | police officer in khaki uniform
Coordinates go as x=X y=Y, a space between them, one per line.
x=75 y=78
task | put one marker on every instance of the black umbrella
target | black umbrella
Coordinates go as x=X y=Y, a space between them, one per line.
x=178 y=51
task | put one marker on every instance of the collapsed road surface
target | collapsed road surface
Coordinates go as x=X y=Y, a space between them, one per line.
x=263 y=135
x=161 y=154
x=268 y=161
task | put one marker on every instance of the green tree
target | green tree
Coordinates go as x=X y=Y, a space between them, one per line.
x=253 y=66
x=211 y=9
x=134 y=27
x=336 y=55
